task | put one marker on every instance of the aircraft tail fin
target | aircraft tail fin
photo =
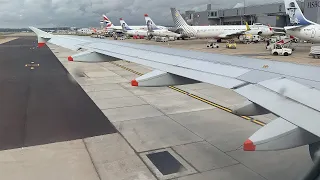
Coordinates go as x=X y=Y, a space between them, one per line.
x=180 y=23
x=177 y=18
x=43 y=36
x=150 y=24
x=105 y=17
x=124 y=25
x=107 y=21
x=295 y=14
x=247 y=27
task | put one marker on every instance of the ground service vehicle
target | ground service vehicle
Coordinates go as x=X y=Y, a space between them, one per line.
x=231 y=44
x=280 y=50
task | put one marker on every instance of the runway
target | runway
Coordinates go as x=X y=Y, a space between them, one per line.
x=41 y=105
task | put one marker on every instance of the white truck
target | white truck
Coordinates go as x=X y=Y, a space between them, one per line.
x=161 y=39
x=171 y=38
x=315 y=52
x=280 y=50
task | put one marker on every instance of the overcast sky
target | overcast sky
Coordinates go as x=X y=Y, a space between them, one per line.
x=85 y=13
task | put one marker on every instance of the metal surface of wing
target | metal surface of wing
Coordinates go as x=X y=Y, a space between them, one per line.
x=293 y=111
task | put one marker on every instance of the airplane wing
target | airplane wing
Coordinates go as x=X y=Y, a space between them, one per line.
x=279 y=33
x=278 y=28
x=290 y=91
x=294 y=27
x=231 y=34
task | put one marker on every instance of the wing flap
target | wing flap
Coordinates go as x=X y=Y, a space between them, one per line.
x=295 y=91
x=256 y=76
x=294 y=112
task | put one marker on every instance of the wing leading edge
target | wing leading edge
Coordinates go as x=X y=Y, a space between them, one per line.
x=275 y=89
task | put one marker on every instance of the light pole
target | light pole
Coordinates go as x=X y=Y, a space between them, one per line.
x=244 y=9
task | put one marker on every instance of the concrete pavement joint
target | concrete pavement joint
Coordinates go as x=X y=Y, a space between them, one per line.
x=93 y=164
x=218 y=106
x=203 y=140
x=185 y=159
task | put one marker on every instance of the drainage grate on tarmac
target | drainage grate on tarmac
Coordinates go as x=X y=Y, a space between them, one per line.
x=166 y=163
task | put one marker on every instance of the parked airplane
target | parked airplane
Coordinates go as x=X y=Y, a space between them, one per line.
x=119 y=28
x=132 y=32
x=153 y=29
x=270 y=86
x=301 y=28
x=217 y=31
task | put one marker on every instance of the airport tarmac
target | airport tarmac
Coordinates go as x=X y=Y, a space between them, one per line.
x=255 y=50
x=160 y=132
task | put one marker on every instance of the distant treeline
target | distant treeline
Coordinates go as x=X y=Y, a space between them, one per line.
x=27 y=29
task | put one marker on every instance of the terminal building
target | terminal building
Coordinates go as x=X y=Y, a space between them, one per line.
x=273 y=14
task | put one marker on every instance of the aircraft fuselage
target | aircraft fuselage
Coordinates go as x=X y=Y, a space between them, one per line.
x=308 y=33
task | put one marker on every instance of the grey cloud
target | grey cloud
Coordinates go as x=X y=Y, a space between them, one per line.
x=85 y=13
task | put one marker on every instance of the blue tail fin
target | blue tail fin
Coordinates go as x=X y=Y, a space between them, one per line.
x=295 y=14
x=124 y=25
x=150 y=24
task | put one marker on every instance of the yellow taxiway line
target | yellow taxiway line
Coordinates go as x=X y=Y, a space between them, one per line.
x=197 y=97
